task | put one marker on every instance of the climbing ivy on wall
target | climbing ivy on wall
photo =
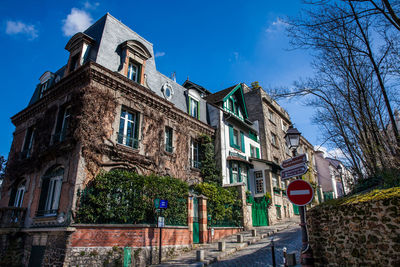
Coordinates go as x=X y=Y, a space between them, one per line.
x=122 y=196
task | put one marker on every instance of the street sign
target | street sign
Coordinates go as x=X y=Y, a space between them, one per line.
x=163 y=204
x=294 y=171
x=300 y=192
x=292 y=162
x=161 y=222
x=156 y=203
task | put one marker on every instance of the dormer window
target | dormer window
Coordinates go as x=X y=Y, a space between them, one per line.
x=79 y=48
x=133 y=61
x=46 y=80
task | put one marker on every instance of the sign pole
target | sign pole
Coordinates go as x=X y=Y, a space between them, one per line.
x=306 y=255
x=159 y=249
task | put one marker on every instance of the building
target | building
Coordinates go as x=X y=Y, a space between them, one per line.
x=107 y=108
x=334 y=178
x=273 y=122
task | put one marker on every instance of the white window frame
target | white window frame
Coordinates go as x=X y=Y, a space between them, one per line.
x=126 y=121
x=194 y=153
x=19 y=196
x=194 y=107
x=235 y=172
x=243 y=173
x=236 y=137
x=130 y=74
x=53 y=195
x=275 y=181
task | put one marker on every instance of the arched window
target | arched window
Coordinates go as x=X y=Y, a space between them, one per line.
x=50 y=193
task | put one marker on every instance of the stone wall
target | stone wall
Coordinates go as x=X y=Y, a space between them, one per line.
x=360 y=230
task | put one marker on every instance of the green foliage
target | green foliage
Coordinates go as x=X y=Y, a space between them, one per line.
x=223 y=204
x=125 y=197
x=209 y=170
x=383 y=179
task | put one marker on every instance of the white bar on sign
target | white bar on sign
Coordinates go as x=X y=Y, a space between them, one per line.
x=299 y=192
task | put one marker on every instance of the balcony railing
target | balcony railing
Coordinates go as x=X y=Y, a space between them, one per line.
x=12 y=217
x=128 y=141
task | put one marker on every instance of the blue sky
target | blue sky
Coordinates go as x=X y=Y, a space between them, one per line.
x=214 y=43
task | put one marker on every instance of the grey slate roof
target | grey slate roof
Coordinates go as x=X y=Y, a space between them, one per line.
x=109 y=33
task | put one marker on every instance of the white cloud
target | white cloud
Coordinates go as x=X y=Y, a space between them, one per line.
x=89 y=5
x=77 y=21
x=159 y=54
x=335 y=153
x=276 y=26
x=18 y=27
x=236 y=55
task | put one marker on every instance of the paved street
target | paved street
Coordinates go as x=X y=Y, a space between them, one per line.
x=260 y=254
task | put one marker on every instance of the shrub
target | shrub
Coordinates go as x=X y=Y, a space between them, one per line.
x=223 y=203
x=125 y=197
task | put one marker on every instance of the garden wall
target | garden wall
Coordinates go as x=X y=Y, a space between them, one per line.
x=221 y=232
x=96 y=245
x=362 y=230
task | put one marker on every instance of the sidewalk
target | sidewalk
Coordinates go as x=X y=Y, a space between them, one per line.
x=211 y=253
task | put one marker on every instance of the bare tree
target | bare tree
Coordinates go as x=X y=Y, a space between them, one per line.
x=353 y=89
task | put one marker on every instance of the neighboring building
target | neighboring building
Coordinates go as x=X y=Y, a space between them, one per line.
x=330 y=177
x=237 y=144
x=107 y=108
x=273 y=123
x=311 y=176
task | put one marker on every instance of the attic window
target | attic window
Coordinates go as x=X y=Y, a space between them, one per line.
x=134 y=71
x=74 y=62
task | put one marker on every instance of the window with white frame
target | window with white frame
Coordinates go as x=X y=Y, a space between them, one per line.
x=50 y=192
x=134 y=71
x=275 y=180
x=235 y=172
x=62 y=124
x=19 y=196
x=193 y=107
x=194 y=154
x=236 y=141
x=28 y=143
x=129 y=128
x=283 y=185
x=258 y=175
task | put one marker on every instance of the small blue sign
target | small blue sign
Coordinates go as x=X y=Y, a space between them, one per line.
x=163 y=204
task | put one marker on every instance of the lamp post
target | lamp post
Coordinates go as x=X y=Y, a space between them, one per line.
x=340 y=170
x=292 y=138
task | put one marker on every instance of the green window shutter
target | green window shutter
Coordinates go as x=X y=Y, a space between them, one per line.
x=231 y=136
x=242 y=140
x=230 y=172
x=198 y=110
x=258 y=152
x=189 y=103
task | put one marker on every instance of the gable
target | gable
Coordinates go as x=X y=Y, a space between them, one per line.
x=236 y=95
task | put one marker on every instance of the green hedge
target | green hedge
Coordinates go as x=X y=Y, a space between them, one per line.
x=125 y=197
x=223 y=204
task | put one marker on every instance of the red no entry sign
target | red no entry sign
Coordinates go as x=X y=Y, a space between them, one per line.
x=300 y=192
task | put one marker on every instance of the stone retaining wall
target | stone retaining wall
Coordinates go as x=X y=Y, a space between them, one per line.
x=354 y=233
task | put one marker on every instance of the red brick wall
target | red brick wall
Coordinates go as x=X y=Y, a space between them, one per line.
x=100 y=236
x=224 y=231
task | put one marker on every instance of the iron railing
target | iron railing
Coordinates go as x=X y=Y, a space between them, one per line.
x=11 y=217
x=127 y=141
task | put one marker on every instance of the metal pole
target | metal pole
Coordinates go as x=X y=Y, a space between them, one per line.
x=306 y=255
x=159 y=243
x=273 y=252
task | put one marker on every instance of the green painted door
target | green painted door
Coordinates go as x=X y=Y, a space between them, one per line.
x=296 y=209
x=259 y=212
x=196 y=232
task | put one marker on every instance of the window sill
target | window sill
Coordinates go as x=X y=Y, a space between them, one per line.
x=127 y=147
x=195 y=169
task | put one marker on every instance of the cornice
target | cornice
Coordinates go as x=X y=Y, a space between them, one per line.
x=92 y=71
